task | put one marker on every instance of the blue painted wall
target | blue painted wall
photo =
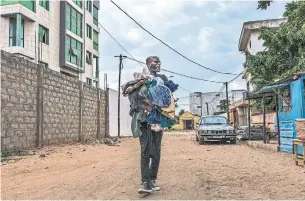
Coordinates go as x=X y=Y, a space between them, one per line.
x=287 y=119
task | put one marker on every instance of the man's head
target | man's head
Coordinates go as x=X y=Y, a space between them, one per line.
x=153 y=63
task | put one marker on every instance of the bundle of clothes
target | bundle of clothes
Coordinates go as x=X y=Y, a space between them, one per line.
x=151 y=101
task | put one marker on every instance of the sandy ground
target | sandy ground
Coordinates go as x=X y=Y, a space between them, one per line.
x=188 y=171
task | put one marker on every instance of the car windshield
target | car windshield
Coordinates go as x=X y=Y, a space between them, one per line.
x=213 y=120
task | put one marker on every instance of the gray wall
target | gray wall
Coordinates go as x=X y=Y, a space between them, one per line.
x=212 y=100
x=43 y=107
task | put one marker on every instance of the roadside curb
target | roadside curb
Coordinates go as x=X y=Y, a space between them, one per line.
x=261 y=145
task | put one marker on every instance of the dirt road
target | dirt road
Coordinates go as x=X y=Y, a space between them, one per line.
x=188 y=171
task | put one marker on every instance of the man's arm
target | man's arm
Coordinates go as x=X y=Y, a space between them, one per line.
x=143 y=99
x=163 y=77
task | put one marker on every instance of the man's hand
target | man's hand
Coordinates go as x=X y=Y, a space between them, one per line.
x=147 y=102
x=128 y=90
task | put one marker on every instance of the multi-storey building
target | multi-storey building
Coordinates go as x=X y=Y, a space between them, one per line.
x=249 y=41
x=60 y=35
x=211 y=100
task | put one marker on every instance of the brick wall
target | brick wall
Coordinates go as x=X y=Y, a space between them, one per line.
x=18 y=102
x=43 y=107
x=60 y=108
x=90 y=113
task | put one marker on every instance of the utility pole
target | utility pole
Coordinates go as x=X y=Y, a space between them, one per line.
x=207 y=108
x=200 y=95
x=227 y=97
x=201 y=103
x=119 y=93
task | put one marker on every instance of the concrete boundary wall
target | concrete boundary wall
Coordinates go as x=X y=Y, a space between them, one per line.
x=42 y=107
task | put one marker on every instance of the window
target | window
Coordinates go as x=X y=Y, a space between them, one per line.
x=213 y=120
x=79 y=3
x=95 y=83
x=12 y=32
x=29 y=4
x=45 y=4
x=13 y=37
x=89 y=81
x=74 y=51
x=285 y=96
x=43 y=34
x=74 y=20
x=95 y=70
x=89 y=58
x=45 y=65
x=89 y=31
x=89 y=6
x=95 y=15
x=95 y=40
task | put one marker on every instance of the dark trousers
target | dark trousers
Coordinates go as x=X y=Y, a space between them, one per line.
x=150 y=142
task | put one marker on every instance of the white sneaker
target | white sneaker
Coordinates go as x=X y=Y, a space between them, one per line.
x=154 y=186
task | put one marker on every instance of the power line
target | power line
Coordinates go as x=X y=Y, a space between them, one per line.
x=191 y=77
x=184 y=89
x=183 y=97
x=167 y=44
x=141 y=63
x=195 y=78
x=235 y=77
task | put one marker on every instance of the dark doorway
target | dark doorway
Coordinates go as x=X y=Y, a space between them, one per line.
x=188 y=124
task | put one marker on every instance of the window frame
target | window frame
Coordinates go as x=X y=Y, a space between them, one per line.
x=40 y=37
x=14 y=37
x=12 y=32
x=288 y=107
x=45 y=4
x=95 y=15
x=79 y=3
x=69 y=43
x=95 y=42
x=88 y=53
x=89 y=6
x=89 y=81
x=89 y=29
x=29 y=4
x=74 y=20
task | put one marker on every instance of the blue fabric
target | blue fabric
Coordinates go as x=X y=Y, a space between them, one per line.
x=171 y=85
x=159 y=96
x=155 y=116
x=166 y=122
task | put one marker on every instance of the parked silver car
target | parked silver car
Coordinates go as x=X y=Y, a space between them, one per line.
x=215 y=128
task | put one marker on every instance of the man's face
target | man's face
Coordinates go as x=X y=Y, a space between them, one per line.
x=155 y=65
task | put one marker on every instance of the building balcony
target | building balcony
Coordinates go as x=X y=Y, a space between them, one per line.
x=18 y=35
x=26 y=8
x=21 y=51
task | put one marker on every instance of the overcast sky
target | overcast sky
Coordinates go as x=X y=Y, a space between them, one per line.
x=205 y=31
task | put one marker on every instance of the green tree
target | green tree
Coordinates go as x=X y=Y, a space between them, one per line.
x=263 y=5
x=284 y=52
x=223 y=105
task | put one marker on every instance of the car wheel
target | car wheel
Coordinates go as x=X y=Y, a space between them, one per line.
x=201 y=141
x=233 y=141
